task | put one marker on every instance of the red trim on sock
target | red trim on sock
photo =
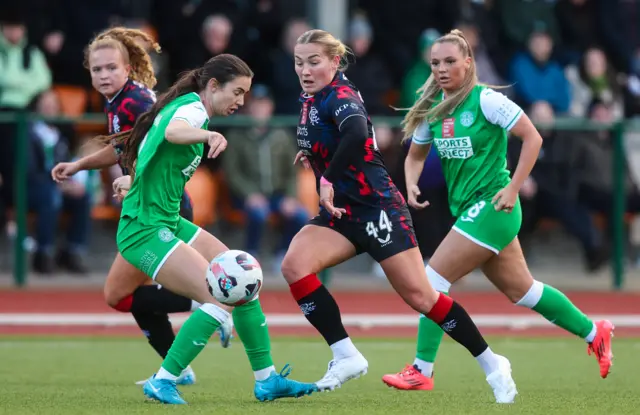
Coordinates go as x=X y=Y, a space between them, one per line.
x=441 y=308
x=124 y=305
x=305 y=286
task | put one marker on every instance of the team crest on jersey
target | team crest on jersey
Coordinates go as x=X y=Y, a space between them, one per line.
x=165 y=235
x=466 y=119
x=313 y=116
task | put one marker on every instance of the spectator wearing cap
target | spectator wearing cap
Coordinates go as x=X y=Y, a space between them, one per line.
x=369 y=70
x=261 y=176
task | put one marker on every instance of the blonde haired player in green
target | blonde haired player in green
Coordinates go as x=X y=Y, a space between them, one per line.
x=163 y=150
x=468 y=124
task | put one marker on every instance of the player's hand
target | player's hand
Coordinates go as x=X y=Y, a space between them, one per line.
x=505 y=199
x=300 y=157
x=412 y=195
x=217 y=144
x=121 y=187
x=62 y=171
x=326 y=199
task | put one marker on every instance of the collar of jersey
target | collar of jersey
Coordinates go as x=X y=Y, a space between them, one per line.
x=118 y=93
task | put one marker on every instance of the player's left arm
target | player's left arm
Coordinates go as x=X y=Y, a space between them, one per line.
x=501 y=111
x=347 y=111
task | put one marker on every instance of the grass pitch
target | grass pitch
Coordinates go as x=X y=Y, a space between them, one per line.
x=57 y=375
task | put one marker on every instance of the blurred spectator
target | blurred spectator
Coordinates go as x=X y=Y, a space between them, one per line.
x=551 y=191
x=539 y=78
x=369 y=72
x=23 y=74
x=285 y=84
x=618 y=21
x=487 y=73
x=264 y=23
x=47 y=148
x=215 y=37
x=421 y=69
x=261 y=175
x=520 y=19
x=577 y=21
x=596 y=80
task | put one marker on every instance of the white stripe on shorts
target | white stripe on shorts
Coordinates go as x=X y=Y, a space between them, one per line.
x=155 y=273
x=474 y=240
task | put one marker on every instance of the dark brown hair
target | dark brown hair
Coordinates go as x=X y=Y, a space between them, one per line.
x=223 y=68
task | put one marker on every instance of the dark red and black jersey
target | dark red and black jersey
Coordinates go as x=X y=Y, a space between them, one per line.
x=125 y=107
x=364 y=187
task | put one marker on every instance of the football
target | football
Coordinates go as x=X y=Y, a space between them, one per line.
x=234 y=277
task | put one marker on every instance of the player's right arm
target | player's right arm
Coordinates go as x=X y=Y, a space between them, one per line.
x=185 y=128
x=414 y=163
x=100 y=159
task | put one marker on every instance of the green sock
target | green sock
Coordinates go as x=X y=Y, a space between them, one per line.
x=558 y=309
x=251 y=326
x=192 y=337
x=429 y=338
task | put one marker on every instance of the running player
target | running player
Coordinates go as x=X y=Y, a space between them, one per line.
x=468 y=123
x=336 y=139
x=166 y=146
x=121 y=71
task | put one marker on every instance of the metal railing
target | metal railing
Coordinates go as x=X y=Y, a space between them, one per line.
x=22 y=119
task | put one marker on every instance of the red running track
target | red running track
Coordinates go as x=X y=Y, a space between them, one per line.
x=377 y=303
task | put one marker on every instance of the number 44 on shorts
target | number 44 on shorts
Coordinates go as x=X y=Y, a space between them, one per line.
x=473 y=211
x=384 y=224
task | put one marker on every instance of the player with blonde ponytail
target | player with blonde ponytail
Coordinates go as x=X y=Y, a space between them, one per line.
x=468 y=123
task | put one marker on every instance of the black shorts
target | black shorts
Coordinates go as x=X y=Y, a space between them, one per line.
x=374 y=237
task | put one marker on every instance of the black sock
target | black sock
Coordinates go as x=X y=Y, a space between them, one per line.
x=157 y=328
x=156 y=299
x=320 y=308
x=456 y=322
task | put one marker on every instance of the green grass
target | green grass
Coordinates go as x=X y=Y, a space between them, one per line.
x=96 y=376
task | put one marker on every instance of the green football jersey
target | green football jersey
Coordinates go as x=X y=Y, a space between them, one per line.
x=472 y=145
x=163 y=168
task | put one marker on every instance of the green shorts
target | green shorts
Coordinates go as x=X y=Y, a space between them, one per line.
x=488 y=228
x=148 y=247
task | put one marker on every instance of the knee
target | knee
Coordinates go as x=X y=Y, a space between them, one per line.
x=116 y=300
x=421 y=301
x=292 y=268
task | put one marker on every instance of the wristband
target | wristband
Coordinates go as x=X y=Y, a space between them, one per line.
x=324 y=182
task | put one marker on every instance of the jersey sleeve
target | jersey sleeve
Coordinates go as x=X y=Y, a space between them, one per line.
x=194 y=114
x=422 y=135
x=499 y=110
x=344 y=103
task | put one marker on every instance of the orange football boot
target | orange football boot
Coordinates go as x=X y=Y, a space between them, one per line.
x=409 y=378
x=601 y=346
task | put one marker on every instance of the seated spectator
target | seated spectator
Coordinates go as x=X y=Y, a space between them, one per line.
x=551 y=191
x=595 y=80
x=47 y=147
x=537 y=77
x=261 y=176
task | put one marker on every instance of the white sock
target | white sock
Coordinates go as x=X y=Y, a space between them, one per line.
x=186 y=371
x=426 y=368
x=592 y=334
x=488 y=361
x=533 y=296
x=263 y=374
x=163 y=374
x=195 y=305
x=343 y=349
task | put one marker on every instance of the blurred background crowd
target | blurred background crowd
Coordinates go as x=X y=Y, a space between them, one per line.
x=556 y=58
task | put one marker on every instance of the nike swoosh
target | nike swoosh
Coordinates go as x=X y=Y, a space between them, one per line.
x=153 y=388
x=195 y=343
x=263 y=324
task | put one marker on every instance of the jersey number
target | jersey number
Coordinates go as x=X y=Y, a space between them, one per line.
x=473 y=212
x=384 y=224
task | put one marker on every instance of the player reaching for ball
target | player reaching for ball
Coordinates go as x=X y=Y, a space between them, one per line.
x=336 y=138
x=468 y=123
x=162 y=152
x=121 y=71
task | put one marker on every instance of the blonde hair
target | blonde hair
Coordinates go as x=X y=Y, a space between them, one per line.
x=332 y=47
x=421 y=109
x=127 y=42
